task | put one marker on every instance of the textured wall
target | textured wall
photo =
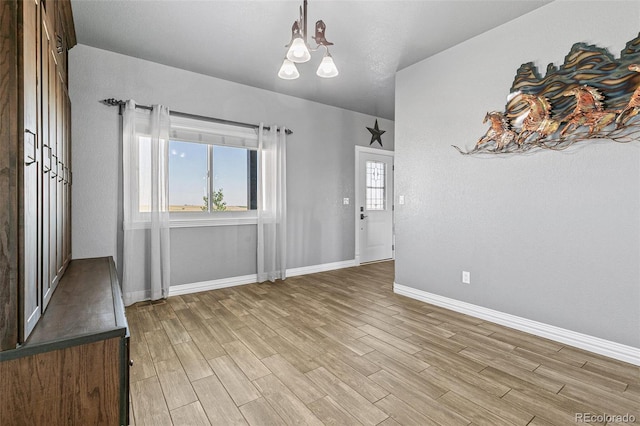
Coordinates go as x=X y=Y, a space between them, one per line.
x=320 y=163
x=552 y=236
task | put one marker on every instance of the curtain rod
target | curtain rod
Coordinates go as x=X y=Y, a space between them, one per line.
x=120 y=103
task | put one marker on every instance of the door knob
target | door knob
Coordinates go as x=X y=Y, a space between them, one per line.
x=362 y=216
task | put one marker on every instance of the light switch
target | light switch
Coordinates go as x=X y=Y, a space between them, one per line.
x=401 y=199
x=345 y=201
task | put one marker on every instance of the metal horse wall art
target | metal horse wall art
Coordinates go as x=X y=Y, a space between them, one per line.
x=591 y=96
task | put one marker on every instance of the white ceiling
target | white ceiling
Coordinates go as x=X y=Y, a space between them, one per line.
x=243 y=41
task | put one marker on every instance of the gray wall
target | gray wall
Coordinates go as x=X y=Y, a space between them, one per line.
x=320 y=164
x=552 y=236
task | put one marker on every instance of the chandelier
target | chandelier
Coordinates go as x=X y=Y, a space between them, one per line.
x=299 y=49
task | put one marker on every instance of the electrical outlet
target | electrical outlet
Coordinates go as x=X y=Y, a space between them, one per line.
x=401 y=199
x=345 y=201
x=466 y=277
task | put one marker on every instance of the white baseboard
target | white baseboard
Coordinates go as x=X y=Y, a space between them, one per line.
x=176 y=290
x=321 y=268
x=583 y=341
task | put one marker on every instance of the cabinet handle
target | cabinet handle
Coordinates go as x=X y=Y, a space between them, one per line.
x=59 y=44
x=131 y=363
x=47 y=160
x=30 y=159
x=61 y=173
x=54 y=162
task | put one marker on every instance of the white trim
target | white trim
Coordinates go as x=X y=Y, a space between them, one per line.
x=209 y=221
x=196 y=130
x=176 y=290
x=583 y=341
x=370 y=150
x=304 y=270
x=204 y=221
x=358 y=202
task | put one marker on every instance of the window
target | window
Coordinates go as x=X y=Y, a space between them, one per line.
x=212 y=173
x=144 y=174
x=211 y=178
x=375 y=195
x=188 y=171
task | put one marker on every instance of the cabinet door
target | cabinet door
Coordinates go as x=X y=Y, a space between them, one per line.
x=60 y=118
x=55 y=171
x=31 y=173
x=50 y=179
x=67 y=181
x=47 y=153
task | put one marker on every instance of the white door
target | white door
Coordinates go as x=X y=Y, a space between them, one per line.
x=374 y=204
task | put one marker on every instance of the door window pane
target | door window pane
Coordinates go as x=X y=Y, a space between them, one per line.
x=375 y=188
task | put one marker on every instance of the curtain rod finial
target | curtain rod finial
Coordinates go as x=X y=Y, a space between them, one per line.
x=112 y=102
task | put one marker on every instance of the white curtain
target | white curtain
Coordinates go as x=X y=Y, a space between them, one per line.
x=145 y=263
x=272 y=204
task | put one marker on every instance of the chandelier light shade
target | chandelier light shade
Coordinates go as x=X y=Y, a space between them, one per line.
x=288 y=70
x=299 y=50
x=327 y=68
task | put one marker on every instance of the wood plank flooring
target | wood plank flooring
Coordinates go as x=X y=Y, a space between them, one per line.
x=339 y=348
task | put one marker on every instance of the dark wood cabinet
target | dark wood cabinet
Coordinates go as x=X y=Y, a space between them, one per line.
x=64 y=355
x=35 y=160
x=74 y=368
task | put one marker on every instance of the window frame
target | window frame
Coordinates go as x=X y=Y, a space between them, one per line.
x=203 y=132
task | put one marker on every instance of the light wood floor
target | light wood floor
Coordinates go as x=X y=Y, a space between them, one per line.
x=339 y=348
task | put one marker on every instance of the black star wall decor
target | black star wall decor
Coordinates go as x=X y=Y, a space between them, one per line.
x=376 y=134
